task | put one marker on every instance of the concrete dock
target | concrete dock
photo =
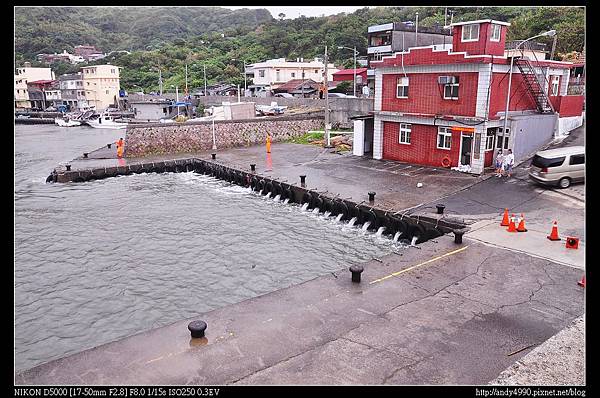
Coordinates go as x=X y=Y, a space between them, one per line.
x=438 y=313
x=441 y=314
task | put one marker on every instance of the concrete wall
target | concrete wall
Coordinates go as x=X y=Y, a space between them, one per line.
x=217 y=100
x=566 y=124
x=160 y=139
x=530 y=133
x=341 y=109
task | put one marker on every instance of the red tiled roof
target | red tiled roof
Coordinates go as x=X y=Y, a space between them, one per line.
x=350 y=71
x=295 y=83
x=42 y=81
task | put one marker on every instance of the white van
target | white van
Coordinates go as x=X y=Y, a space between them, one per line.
x=559 y=167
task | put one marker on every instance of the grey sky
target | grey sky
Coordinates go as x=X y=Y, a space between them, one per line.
x=295 y=12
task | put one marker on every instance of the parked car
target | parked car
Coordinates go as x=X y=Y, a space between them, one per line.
x=559 y=167
x=284 y=95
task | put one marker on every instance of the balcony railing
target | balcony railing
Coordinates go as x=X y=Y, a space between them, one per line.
x=533 y=46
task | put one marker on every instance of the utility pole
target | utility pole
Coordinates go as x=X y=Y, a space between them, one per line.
x=327 y=135
x=355 y=71
x=205 y=93
x=553 y=47
x=416 y=29
x=186 y=86
x=160 y=82
x=245 y=77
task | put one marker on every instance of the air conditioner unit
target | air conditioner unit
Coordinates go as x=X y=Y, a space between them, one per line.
x=447 y=79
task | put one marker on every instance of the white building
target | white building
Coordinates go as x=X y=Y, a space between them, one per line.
x=101 y=85
x=72 y=92
x=275 y=72
x=21 y=93
x=28 y=74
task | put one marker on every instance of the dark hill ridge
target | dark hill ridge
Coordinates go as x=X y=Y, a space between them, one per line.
x=54 y=29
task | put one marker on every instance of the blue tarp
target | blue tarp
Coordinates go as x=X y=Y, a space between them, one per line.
x=182 y=103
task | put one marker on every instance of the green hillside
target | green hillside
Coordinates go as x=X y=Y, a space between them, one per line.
x=170 y=37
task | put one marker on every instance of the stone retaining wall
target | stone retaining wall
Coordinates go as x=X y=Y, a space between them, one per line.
x=162 y=139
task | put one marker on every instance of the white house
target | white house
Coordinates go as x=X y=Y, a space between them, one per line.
x=275 y=72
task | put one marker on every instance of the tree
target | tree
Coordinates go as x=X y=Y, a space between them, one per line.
x=281 y=16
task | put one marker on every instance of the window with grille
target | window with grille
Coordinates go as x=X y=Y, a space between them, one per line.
x=489 y=143
x=261 y=73
x=402 y=87
x=555 y=82
x=404 y=135
x=495 y=32
x=470 y=32
x=451 y=91
x=444 y=138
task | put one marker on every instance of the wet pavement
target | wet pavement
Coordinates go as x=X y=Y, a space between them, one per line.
x=347 y=176
x=453 y=320
x=444 y=314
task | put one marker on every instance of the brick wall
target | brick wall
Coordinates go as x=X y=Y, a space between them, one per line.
x=161 y=139
x=484 y=45
x=423 y=145
x=520 y=98
x=425 y=95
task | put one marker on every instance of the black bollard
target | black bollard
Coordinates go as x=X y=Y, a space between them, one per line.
x=68 y=166
x=356 y=271
x=440 y=209
x=108 y=145
x=214 y=156
x=85 y=154
x=371 y=196
x=458 y=234
x=303 y=180
x=197 y=328
x=252 y=167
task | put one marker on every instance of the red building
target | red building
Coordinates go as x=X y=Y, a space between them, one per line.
x=348 y=74
x=445 y=107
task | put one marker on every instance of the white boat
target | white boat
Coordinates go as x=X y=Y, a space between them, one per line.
x=66 y=122
x=106 y=121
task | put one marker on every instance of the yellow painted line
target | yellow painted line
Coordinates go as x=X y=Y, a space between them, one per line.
x=418 y=265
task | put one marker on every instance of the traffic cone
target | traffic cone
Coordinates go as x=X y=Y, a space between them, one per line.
x=511 y=225
x=572 y=243
x=504 y=222
x=554 y=234
x=521 y=227
x=582 y=282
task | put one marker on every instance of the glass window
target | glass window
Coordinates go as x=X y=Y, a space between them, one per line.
x=495 y=32
x=404 y=136
x=261 y=73
x=470 y=32
x=402 y=87
x=489 y=143
x=451 y=91
x=555 y=81
x=444 y=139
x=293 y=74
x=577 y=159
x=542 y=162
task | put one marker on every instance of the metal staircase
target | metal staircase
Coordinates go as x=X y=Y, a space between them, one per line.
x=534 y=86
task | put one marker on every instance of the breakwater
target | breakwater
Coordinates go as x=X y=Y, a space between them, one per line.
x=400 y=225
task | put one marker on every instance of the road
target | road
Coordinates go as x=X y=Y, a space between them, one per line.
x=483 y=205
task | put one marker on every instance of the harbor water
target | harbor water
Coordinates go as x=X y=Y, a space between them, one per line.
x=102 y=260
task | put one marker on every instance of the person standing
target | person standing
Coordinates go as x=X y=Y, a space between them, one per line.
x=499 y=163
x=120 y=145
x=268 y=143
x=509 y=161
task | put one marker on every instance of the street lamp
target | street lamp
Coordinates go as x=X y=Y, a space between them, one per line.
x=355 y=53
x=548 y=33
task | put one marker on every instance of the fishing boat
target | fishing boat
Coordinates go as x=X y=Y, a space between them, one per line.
x=106 y=121
x=66 y=122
